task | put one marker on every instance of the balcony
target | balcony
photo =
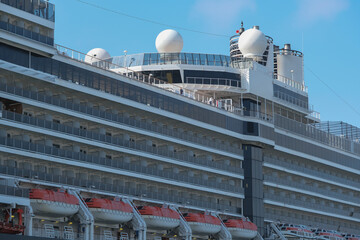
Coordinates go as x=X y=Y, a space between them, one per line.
x=13 y=191
x=326 y=177
x=314 y=190
x=40 y=8
x=26 y=33
x=108 y=116
x=313 y=133
x=116 y=141
x=118 y=164
x=116 y=189
x=304 y=204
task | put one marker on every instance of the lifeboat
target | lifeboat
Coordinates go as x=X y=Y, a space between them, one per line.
x=328 y=235
x=53 y=203
x=202 y=224
x=10 y=226
x=292 y=230
x=241 y=228
x=351 y=237
x=109 y=211
x=159 y=218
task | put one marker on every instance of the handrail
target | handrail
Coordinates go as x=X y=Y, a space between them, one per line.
x=147 y=79
x=111 y=140
x=289 y=52
x=290 y=82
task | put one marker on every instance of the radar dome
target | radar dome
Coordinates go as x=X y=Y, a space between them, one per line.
x=169 y=41
x=96 y=55
x=252 y=43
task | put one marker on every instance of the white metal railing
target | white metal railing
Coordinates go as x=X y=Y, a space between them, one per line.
x=291 y=83
x=148 y=79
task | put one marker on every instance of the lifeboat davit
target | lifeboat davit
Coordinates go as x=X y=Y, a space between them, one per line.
x=110 y=211
x=241 y=228
x=10 y=226
x=53 y=203
x=159 y=218
x=202 y=224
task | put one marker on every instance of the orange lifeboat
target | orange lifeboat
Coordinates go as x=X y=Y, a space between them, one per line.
x=159 y=218
x=202 y=224
x=109 y=211
x=53 y=203
x=9 y=226
x=241 y=228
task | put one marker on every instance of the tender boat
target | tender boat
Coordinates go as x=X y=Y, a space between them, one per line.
x=109 y=211
x=13 y=225
x=351 y=237
x=326 y=235
x=53 y=203
x=295 y=231
x=241 y=228
x=159 y=218
x=203 y=224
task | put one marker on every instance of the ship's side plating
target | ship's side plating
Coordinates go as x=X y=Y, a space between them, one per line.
x=233 y=137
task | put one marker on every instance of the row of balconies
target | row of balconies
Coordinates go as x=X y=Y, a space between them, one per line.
x=324 y=222
x=313 y=133
x=302 y=185
x=123 y=140
x=122 y=187
x=300 y=200
x=218 y=183
x=320 y=172
x=114 y=116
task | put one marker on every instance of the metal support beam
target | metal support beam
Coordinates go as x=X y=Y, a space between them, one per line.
x=138 y=222
x=224 y=233
x=85 y=216
x=184 y=229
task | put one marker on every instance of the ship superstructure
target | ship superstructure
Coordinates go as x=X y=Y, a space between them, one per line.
x=165 y=145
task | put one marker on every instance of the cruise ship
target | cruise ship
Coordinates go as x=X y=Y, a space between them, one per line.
x=166 y=145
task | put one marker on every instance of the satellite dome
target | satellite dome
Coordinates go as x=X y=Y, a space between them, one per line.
x=169 y=41
x=96 y=54
x=252 y=43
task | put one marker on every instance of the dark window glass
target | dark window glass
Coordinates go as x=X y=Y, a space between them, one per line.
x=14 y=55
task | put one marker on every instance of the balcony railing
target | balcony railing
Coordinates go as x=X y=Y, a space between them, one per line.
x=305 y=204
x=315 y=190
x=132 y=167
x=291 y=83
x=220 y=82
x=116 y=141
x=112 y=117
x=293 y=100
x=26 y=33
x=311 y=132
x=40 y=8
x=311 y=172
x=13 y=191
x=117 y=189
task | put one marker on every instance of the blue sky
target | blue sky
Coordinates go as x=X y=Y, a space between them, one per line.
x=327 y=31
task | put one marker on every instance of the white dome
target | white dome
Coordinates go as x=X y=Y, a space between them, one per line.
x=252 y=43
x=169 y=41
x=96 y=54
